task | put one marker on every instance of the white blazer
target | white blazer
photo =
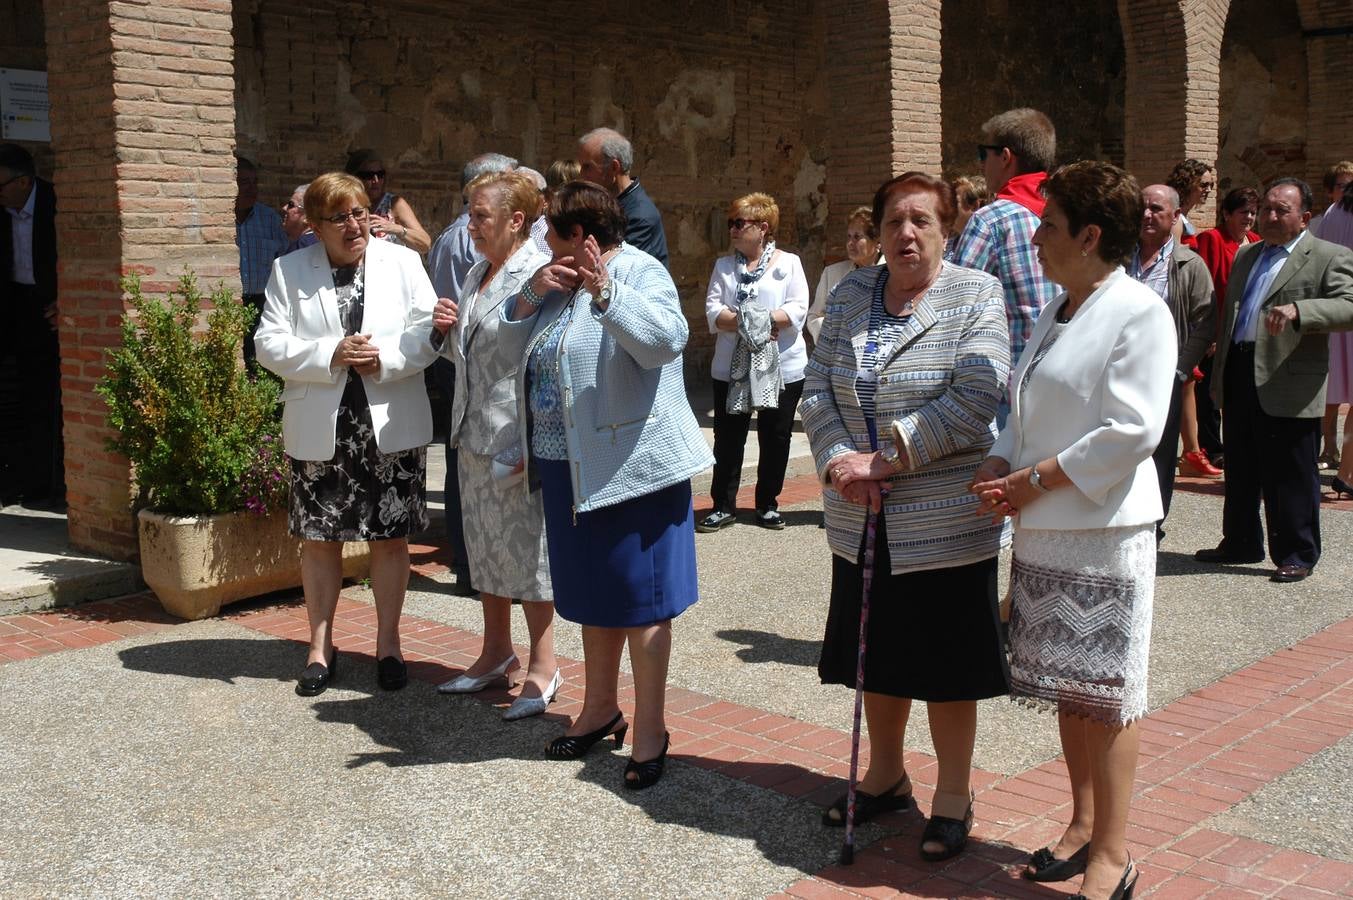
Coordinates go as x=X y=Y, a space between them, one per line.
x=782 y=286
x=300 y=328
x=1098 y=402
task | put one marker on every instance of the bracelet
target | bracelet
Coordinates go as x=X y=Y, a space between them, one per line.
x=1037 y=480
x=531 y=296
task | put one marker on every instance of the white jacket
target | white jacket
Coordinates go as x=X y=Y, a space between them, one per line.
x=300 y=328
x=1098 y=402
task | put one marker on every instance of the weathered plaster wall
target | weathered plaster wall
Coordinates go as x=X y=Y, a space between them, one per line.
x=1066 y=59
x=719 y=99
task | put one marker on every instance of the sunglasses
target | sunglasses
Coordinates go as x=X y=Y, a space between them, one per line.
x=739 y=224
x=290 y=205
x=358 y=215
x=983 y=148
x=372 y=175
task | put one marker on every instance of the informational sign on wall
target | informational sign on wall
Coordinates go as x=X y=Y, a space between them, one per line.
x=24 y=107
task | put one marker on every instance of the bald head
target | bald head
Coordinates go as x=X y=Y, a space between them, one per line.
x=1159 y=216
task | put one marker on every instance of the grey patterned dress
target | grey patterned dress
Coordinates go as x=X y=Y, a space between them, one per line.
x=504 y=521
x=361 y=494
x=1080 y=613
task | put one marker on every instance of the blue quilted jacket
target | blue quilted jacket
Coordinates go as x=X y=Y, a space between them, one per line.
x=629 y=427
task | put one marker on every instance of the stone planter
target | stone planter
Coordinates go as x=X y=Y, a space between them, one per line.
x=194 y=564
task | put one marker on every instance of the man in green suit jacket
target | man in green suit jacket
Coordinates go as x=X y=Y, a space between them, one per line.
x=1285 y=295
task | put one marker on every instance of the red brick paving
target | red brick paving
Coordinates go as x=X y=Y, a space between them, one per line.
x=1200 y=755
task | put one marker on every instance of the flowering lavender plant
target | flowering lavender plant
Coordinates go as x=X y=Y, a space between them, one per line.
x=266 y=481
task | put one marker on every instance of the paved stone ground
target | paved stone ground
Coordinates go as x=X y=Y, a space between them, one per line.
x=142 y=756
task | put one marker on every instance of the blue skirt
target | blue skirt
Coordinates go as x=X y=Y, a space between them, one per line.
x=619 y=566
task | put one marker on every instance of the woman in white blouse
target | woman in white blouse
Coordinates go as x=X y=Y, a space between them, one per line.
x=756 y=304
x=862 y=249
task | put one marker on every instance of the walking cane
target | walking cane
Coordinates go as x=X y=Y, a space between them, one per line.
x=867 y=581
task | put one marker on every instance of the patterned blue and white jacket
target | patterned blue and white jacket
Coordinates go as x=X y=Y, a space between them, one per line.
x=628 y=425
x=938 y=391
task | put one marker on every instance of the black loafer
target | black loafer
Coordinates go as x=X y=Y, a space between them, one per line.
x=391 y=673
x=1289 y=574
x=769 y=518
x=1222 y=555
x=315 y=677
x=714 y=522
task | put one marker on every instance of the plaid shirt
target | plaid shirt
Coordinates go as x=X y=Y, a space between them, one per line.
x=1157 y=275
x=998 y=239
x=261 y=240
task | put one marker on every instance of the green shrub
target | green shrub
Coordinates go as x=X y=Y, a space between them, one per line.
x=188 y=417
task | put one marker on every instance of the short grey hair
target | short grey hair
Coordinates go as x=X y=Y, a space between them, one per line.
x=614 y=145
x=533 y=175
x=300 y=189
x=483 y=164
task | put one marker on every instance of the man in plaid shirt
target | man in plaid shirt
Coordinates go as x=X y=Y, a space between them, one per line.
x=1017 y=149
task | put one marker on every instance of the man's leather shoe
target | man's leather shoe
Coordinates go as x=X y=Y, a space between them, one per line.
x=1222 y=555
x=1287 y=574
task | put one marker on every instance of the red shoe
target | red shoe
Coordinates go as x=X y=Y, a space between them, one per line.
x=1197 y=465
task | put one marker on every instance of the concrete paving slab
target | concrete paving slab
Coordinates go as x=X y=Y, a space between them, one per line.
x=1309 y=808
x=39 y=570
x=182 y=764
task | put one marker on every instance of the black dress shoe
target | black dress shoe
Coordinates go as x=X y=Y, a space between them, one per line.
x=1287 y=574
x=1222 y=555
x=391 y=673
x=715 y=521
x=315 y=677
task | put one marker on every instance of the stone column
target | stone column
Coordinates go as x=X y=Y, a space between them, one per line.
x=143 y=127
x=883 y=62
x=1173 y=82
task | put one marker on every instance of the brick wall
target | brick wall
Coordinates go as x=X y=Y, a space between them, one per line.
x=1067 y=60
x=722 y=99
x=1329 y=76
x=142 y=127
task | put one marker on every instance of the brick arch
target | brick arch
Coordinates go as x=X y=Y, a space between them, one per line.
x=1173 y=51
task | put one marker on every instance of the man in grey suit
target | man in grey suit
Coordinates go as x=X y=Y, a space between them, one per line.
x=1285 y=295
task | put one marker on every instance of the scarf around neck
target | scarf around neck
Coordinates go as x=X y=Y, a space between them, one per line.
x=1023 y=189
x=746 y=281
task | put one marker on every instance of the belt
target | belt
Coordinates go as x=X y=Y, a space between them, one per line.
x=1243 y=347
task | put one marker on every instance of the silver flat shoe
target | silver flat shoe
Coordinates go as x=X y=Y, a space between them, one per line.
x=525 y=707
x=465 y=684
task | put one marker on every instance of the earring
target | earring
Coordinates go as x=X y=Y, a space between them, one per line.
x=1083 y=253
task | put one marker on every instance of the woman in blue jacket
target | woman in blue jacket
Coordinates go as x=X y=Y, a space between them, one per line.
x=611 y=441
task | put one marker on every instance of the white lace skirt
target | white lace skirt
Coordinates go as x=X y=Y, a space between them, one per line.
x=1080 y=620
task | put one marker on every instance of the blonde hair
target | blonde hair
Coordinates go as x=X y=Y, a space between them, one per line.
x=758 y=207
x=561 y=172
x=516 y=192
x=865 y=216
x=331 y=190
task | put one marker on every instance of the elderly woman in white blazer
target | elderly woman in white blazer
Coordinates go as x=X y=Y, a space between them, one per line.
x=1073 y=466
x=347 y=324
x=504 y=525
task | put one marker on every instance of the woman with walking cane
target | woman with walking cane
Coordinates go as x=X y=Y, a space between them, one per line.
x=899 y=406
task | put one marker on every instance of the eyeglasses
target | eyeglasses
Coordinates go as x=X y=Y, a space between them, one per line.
x=1206 y=188
x=739 y=224
x=358 y=215
x=372 y=175
x=983 y=148
x=290 y=205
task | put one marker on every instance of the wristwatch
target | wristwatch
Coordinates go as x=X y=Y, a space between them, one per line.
x=1037 y=480
x=892 y=457
x=604 y=297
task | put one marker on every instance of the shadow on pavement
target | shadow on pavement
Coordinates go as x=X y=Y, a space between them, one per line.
x=764 y=646
x=216 y=659
x=1170 y=562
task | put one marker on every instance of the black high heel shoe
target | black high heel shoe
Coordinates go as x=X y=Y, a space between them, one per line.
x=1125 y=886
x=647 y=773
x=566 y=747
x=1340 y=488
x=1043 y=866
x=315 y=677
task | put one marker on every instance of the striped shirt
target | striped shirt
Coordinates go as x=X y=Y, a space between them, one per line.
x=999 y=239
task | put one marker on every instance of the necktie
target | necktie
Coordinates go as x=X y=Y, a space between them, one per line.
x=1249 y=303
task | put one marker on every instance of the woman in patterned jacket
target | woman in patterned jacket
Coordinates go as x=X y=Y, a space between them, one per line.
x=899 y=406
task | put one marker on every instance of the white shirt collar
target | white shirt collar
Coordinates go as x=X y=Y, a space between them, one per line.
x=26 y=211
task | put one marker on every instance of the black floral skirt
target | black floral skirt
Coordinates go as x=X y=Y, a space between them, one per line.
x=361 y=494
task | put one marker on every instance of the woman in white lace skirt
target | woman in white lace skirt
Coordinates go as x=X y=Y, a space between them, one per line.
x=1073 y=466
